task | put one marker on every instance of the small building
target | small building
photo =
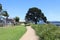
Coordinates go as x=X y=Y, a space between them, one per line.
x=10 y=21
x=4 y=21
x=22 y=22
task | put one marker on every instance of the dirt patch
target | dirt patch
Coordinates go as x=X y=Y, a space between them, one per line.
x=30 y=34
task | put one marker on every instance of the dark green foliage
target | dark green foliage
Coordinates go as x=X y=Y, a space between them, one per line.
x=5 y=14
x=47 y=31
x=47 y=22
x=16 y=19
x=34 y=15
x=0 y=6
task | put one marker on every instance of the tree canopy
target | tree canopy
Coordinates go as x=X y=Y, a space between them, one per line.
x=34 y=15
x=16 y=19
x=5 y=14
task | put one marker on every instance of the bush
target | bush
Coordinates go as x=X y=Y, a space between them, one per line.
x=47 y=31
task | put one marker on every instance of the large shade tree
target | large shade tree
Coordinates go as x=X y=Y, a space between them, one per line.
x=34 y=15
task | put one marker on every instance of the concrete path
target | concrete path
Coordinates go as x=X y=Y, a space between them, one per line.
x=30 y=34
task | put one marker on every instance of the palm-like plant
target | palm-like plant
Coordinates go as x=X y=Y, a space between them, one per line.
x=5 y=14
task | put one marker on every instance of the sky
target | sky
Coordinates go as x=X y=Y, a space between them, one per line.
x=50 y=8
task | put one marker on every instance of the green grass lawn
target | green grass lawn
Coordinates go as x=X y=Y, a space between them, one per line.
x=47 y=31
x=12 y=33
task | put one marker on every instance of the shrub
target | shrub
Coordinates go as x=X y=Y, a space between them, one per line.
x=47 y=31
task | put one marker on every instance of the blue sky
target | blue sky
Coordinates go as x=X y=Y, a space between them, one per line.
x=50 y=8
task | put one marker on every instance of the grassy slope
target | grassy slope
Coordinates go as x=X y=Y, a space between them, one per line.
x=47 y=31
x=12 y=33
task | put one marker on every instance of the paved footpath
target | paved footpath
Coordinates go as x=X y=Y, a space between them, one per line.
x=30 y=34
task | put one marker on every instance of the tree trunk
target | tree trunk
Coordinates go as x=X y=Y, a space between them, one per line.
x=35 y=22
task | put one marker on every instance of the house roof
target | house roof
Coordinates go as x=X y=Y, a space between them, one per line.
x=9 y=19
